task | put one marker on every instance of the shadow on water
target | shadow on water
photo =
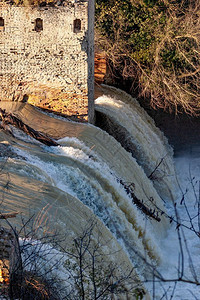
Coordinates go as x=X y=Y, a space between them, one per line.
x=182 y=131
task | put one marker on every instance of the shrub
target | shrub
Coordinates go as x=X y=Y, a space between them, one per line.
x=156 y=44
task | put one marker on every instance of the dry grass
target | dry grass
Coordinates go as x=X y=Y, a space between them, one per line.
x=177 y=86
x=161 y=52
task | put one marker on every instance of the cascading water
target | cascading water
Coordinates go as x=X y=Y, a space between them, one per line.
x=89 y=180
x=136 y=131
x=87 y=174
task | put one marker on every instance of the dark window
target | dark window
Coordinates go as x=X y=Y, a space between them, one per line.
x=25 y=98
x=77 y=25
x=1 y=22
x=38 y=25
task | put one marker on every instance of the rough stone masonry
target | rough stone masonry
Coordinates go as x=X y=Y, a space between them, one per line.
x=47 y=56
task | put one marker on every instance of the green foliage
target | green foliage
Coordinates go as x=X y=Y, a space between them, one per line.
x=133 y=25
x=156 y=43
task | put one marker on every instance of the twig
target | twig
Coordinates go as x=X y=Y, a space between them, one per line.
x=8 y=215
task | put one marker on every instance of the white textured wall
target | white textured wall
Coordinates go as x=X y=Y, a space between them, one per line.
x=55 y=59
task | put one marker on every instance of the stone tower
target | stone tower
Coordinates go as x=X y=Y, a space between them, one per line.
x=47 y=56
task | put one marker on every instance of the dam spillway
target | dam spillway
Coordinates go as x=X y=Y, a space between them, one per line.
x=87 y=169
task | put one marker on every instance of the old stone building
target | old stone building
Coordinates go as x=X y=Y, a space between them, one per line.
x=47 y=56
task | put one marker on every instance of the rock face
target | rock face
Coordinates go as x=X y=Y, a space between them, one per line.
x=47 y=56
x=6 y=248
x=100 y=68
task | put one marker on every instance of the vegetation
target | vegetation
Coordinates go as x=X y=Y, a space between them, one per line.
x=88 y=269
x=155 y=45
x=93 y=271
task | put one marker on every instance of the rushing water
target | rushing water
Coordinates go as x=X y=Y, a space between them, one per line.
x=136 y=131
x=85 y=177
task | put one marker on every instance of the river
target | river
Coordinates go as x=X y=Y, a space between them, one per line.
x=84 y=178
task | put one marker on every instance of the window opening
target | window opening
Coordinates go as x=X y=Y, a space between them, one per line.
x=38 y=25
x=1 y=23
x=77 y=25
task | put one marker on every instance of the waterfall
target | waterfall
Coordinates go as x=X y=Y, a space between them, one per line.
x=88 y=174
x=90 y=180
x=122 y=117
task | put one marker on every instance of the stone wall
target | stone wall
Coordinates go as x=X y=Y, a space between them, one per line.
x=46 y=56
x=100 y=67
